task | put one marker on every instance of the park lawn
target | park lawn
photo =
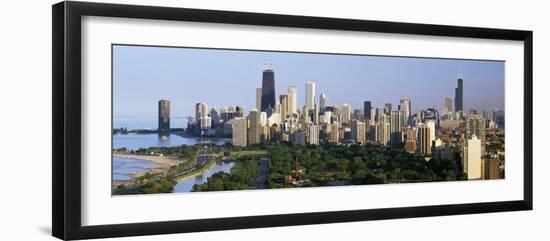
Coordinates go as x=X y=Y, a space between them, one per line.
x=254 y=153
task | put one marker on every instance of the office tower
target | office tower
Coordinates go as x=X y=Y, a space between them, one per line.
x=410 y=140
x=405 y=105
x=322 y=103
x=448 y=110
x=310 y=95
x=423 y=141
x=475 y=125
x=458 y=96
x=201 y=110
x=346 y=114
x=292 y=100
x=334 y=133
x=395 y=127
x=254 y=118
x=387 y=109
x=358 y=131
x=164 y=116
x=313 y=134
x=472 y=158
x=384 y=126
x=491 y=169
x=259 y=98
x=367 y=110
x=239 y=133
x=268 y=89
x=283 y=101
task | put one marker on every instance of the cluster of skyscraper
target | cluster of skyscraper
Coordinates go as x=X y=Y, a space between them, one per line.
x=424 y=133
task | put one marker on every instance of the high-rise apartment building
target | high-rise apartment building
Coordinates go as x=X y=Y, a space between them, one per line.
x=475 y=125
x=292 y=100
x=164 y=116
x=239 y=132
x=313 y=134
x=254 y=119
x=395 y=127
x=472 y=158
x=201 y=110
x=259 y=98
x=283 y=102
x=431 y=124
x=410 y=140
x=423 y=140
x=310 y=95
x=491 y=169
x=346 y=114
x=335 y=133
x=448 y=110
x=358 y=131
x=384 y=127
x=405 y=105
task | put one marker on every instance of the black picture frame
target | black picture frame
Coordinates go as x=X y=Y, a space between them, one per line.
x=66 y=75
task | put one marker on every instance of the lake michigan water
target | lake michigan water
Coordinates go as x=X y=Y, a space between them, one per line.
x=122 y=166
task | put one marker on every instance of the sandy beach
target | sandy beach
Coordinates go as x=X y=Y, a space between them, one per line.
x=164 y=160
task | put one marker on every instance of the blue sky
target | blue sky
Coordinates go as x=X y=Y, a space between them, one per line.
x=185 y=76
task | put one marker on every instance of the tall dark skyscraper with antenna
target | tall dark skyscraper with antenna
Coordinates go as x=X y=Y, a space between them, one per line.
x=458 y=96
x=268 y=89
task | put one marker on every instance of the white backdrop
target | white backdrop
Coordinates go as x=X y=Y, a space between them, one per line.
x=25 y=76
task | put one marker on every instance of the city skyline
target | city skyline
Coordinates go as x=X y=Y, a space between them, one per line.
x=314 y=122
x=227 y=91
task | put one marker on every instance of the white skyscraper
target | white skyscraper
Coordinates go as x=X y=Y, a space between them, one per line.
x=310 y=95
x=405 y=106
x=472 y=158
x=259 y=98
x=292 y=100
x=201 y=110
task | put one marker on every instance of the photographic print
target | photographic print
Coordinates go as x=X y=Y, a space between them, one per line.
x=201 y=119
